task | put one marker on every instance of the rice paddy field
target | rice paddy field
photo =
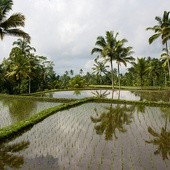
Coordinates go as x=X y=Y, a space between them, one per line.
x=116 y=94
x=94 y=136
x=14 y=110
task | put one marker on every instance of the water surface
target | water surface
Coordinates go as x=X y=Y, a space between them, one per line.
x=95 y=136
x=116 y=94
x=14 y=110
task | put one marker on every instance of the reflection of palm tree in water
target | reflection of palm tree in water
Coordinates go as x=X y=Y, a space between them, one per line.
x=19 y=109
x=77 y=92
x=100 y=94
x=113 y=118
x=8 y=155
x=162 y=140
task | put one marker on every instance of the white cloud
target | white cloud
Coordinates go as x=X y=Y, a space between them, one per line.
x=65 y=31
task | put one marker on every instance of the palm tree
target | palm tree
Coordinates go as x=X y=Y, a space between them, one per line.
x=162 y=30
x=99 y=68
x=71 y=72
x=21 y=59
x=165 y=57
x=24 y=45
x=140 y=68
x=154 y=71
x=9 y=26
x=17 y=66
x=106 y=47
x=123 y=56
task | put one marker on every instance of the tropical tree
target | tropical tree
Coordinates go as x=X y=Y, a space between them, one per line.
x=162 y=30
x=106 y=47
x=24 y=46
x=123 y=56
x=71 y=72
x=140 y=69
x=10 y=26
x=16 y=67
x=99 y=69
x=165 y=57
x=81 y=71
x=77 y=82
x=154 y=71
x=20 y=59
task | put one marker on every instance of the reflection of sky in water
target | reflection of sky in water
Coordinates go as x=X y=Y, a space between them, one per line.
x=13 y=110
x=125 y=95
x=70 y=137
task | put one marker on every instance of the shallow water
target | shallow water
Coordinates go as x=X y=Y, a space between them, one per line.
x=95 y=136
x=14 y=110
x=122 y=94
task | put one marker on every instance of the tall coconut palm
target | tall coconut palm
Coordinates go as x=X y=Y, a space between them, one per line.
x=162 y=30
x=141 y=69
x=123 y=56
x=165 y=57
x=10 y=26
x=99 y=68
x=106 y=47
x=154 y=71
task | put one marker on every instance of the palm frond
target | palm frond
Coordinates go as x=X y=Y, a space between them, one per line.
x=96 y=50
x=17 y=32
x=154 y=37
x=5 y=7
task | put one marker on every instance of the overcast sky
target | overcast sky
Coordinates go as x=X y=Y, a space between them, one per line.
x=66 y=30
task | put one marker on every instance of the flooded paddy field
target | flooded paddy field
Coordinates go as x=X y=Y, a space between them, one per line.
x=14 y=110
x=116 y=94
x=94 y=136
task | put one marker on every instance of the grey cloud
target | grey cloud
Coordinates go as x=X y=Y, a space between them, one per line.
x=66 y=31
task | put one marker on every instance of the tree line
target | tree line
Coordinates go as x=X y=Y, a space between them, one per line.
x=24 y=71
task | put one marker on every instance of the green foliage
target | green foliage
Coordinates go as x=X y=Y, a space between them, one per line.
x=77 y=82
x=10 y=26
x=26 y=71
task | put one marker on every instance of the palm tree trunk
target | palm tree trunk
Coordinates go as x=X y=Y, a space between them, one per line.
x=29 y=86
x=118 y=75
x=168 y=58
x=112 y=73
x=165 y=80
x=118 y=80
x=141 y=82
